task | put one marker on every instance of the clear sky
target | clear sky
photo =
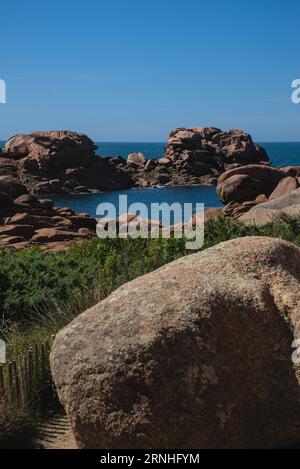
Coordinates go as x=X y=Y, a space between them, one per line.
x=131 y=70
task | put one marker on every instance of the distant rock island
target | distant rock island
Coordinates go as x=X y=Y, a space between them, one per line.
x=60 y=162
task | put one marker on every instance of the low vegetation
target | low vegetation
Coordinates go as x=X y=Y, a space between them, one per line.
x=42 y=292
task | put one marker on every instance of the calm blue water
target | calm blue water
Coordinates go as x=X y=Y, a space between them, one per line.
x=88 y=203
x=281 y=154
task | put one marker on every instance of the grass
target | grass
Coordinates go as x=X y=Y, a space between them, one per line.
x=17 y=426
x=42 y=292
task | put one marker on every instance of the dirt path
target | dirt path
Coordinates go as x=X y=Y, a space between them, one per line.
x=56 y=434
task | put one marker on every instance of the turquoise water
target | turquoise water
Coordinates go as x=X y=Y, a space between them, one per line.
x=281 y=154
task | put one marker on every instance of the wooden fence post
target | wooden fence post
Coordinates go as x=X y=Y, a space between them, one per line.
x=36 y=355
x=30 y=372
x=17 y=377
x=25 y=361
x=17 y=381
x=43 y=359
x=10 y=379
x=2 y=386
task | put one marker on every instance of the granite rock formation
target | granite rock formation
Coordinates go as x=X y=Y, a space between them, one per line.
x=243 y=188
x=197 y=354
x=60 y=162
x=274 y=209
x=26 y=220
x=65 y=162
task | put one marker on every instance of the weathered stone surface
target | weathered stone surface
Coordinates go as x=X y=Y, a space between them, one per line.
x=11 y=187
x=137 y=159
x=197 y=157
x=272 y=209
x=195 y=355
x=260 y=216
x=27 y=221
x=238 y=188
x=60 y=161
x=285 y=186
x=234 y=146
x=293 y=198
x=250 y=185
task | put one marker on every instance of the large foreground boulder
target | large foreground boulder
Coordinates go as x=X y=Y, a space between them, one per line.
x=195 y=355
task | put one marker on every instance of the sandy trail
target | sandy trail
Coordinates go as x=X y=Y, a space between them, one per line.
x=56 y=434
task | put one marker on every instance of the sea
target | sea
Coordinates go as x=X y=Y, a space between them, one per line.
x=281 y=154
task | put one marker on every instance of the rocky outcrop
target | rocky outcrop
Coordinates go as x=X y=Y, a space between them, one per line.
x=61 y=162
x=196 y=156
x=195 y=355
x=242 y=188
x=65 y=162
x=26 y=220
x=225 y=148
x=274 y=209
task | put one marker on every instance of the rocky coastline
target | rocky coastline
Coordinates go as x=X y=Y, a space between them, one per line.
x=65 y=162
x=43 y=164
x=255 y=187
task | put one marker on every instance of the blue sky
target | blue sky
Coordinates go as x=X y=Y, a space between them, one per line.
x=129 y=70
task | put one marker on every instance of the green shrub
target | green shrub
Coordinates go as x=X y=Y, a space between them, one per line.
x=33 y=282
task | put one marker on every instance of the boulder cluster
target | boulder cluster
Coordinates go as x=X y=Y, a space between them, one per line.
x=243 y=189
x=65 y=162
x=26 y=220
x=60 y=162
x=198 y=354
x=196 y=157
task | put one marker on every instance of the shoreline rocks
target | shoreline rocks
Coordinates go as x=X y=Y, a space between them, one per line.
x=58 y=162
x=197 y=354
x=27 y=221
x=197 y=157
x=274 y=209
x=242 y=189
